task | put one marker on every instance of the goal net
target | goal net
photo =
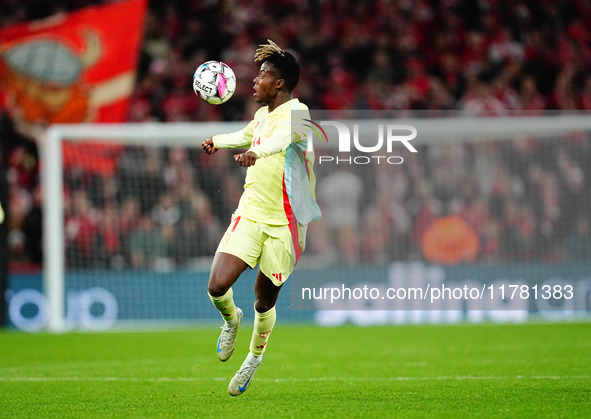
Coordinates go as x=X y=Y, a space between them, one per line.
x=133 y=214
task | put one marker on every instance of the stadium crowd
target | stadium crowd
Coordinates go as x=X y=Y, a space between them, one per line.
x=526 y=200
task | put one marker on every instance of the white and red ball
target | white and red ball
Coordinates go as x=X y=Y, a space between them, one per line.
x=214 y=82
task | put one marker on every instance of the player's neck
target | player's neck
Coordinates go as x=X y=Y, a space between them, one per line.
x=279 y=100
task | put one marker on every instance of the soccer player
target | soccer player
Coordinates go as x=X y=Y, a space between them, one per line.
x=269 y=225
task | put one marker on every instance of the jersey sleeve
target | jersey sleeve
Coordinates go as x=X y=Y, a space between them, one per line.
x=285 y=135
x=279 y=141
x=238 y=139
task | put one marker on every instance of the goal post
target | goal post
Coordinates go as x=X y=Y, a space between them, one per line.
x=53 y=225
x=431 y=132
x=144 y=134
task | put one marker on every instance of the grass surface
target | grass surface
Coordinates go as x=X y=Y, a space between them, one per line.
x=533 y=370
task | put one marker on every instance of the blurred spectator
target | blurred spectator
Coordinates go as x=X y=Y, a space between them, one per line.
x=481 y=101
x=340 y=194
x=190 y=244
x=490 y=249
x=140 y=175
x=129 y=215
x=504 y=49
x=425 y=209
x=376 y=236
x=178 y=170
x=147 y=246
x=529 y=97
x=563 y=96
x=107 y=247
x=418 y=81
x=80 y=228
x=166 y=212
x=210 y=226
x=385 y=231
x=519 y=234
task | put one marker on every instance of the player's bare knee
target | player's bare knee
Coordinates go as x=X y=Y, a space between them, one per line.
x=216 y=287
x=216 y=291
x=263 y=306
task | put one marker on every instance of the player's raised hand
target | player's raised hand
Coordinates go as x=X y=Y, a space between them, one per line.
x=208 y=146
x=246 y=159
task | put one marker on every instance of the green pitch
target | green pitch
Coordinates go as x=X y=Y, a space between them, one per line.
x=533 y=370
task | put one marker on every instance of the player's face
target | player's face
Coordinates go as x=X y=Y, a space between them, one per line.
x=266 y=83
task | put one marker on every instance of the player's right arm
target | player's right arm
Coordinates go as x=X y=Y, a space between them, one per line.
x=208 y=146
x=238 y=139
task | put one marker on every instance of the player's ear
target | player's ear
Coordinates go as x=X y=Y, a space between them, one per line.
x=279 y=83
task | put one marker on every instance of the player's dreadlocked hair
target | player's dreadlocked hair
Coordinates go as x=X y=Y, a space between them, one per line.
x=285 y=63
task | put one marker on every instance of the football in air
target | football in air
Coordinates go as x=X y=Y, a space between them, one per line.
x=214 y=82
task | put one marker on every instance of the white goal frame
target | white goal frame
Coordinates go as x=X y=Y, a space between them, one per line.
x=430 y=131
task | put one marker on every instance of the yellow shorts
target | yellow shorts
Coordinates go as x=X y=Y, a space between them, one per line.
x=276 y=248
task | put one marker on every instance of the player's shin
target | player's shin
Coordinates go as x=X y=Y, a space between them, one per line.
x=225 y=305
x=263 y=325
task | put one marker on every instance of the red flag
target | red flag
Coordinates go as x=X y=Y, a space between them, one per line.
x=76 y=67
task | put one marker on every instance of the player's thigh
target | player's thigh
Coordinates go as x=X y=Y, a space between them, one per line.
x=244 y=239
x=239 y=248
x=225 y=270
x=281 y=251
